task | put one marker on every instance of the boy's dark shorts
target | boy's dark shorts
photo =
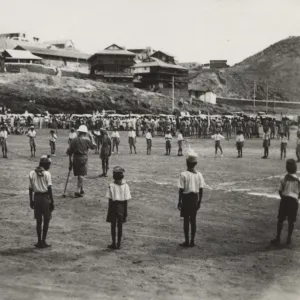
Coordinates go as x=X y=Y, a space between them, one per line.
x=42 y=206
x=189 y=205
x=288 y=209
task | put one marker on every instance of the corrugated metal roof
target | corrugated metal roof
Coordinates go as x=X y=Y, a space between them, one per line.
x=21 y=54
x=55 y=42
x=197 y=88
x=158 y=63
x=54 y=52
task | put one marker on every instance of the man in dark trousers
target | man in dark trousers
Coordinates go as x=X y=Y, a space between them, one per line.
x=105 y=152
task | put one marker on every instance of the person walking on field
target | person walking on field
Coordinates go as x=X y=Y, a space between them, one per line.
x=191 y=185
x=217 y=137
x=115 y=136
x=32 y=135
x=78 y=149
x=132 y=140
x=3 y=141
x=41 y=199
x=289 y=191
x=105 y=152
x=118 y=194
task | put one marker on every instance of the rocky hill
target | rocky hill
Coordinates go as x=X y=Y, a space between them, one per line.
x=278 y=66
x=38 y=92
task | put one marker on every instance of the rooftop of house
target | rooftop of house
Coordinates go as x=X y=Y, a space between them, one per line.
x=59 y=42
x=155 y=62
x=20 y=54
x=115 y=50
x=197 y=88
x=40 y=50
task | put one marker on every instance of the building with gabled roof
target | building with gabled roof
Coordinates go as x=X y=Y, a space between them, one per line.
x=20 y=56
x=160 y=71
x=112 y=64
x=52 y=56
x=61 y=44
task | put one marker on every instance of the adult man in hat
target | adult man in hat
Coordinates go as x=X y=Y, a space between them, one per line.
x=105 y=152
x=41 y=199
x=32 y=135
x=79 y=150
x=191 y=185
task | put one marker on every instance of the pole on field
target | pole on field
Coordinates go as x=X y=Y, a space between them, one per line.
x=254 y=88
x=173 y=94
x=267 y=99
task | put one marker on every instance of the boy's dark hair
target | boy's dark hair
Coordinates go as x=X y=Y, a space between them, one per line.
x=190 y=164
x=118 y=176
x=45 y=166
x=149 y=129
x=291 y=166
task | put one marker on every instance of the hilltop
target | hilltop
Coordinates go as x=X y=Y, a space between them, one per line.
x=70 y=95
x=278 y=66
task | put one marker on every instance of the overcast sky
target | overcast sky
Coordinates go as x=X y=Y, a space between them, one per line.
x=192 y=30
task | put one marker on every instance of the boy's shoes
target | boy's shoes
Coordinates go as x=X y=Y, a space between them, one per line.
x=78 y=195
x=53 y=155
x=82 y=192
x=38 y=245
x=264 y=157
x=275 y=241
x=192 y=244
x=185 y=244
x=112 y=246
x=45 y=245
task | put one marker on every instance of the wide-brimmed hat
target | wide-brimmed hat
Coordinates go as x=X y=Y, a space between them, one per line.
x=83 y=129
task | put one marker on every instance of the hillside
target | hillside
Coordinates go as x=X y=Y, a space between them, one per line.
x=66 y=94
x=278 y=66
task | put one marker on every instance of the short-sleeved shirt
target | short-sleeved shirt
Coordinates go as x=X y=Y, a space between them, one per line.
x=115 y=134
x=290 y=186
x=3 y=134
x=240 y=138
x=191 y=182
x=131 y=134
x=72 y=135
x=180 y=137
x=118 y=192
x=283 y=140
x=39 y=184
x=217 y=137
x=31 y=134
x=148 y=136
x=53 y=138
x=168 y=137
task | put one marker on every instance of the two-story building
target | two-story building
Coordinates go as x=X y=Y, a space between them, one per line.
x=113 y=64
x=160 y=71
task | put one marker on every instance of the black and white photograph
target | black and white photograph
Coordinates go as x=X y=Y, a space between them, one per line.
x=149 y=150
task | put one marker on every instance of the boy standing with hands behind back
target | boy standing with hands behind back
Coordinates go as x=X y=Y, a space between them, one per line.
x=289 y=190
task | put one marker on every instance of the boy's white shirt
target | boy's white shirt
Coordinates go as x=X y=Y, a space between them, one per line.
x=168 y=136
x=180 y=137
x=31 y=134
x=3 y=134
x=115 y=134
x=240 y=138
x=283 y=140
x=191 y=182
x=132 y=134
x=148 y=136
x=118 y=192
x=39 y=184
x=53 y=138
x=72 y=135
x=217 y=137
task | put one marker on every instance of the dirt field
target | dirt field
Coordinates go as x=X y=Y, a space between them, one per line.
x=232 y=259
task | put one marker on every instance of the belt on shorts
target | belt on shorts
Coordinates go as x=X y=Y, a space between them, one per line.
x=39 y=193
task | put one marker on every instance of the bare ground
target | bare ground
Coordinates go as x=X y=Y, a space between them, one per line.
x=232 y=260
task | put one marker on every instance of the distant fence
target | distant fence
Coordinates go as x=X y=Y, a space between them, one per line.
x=236 y=101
